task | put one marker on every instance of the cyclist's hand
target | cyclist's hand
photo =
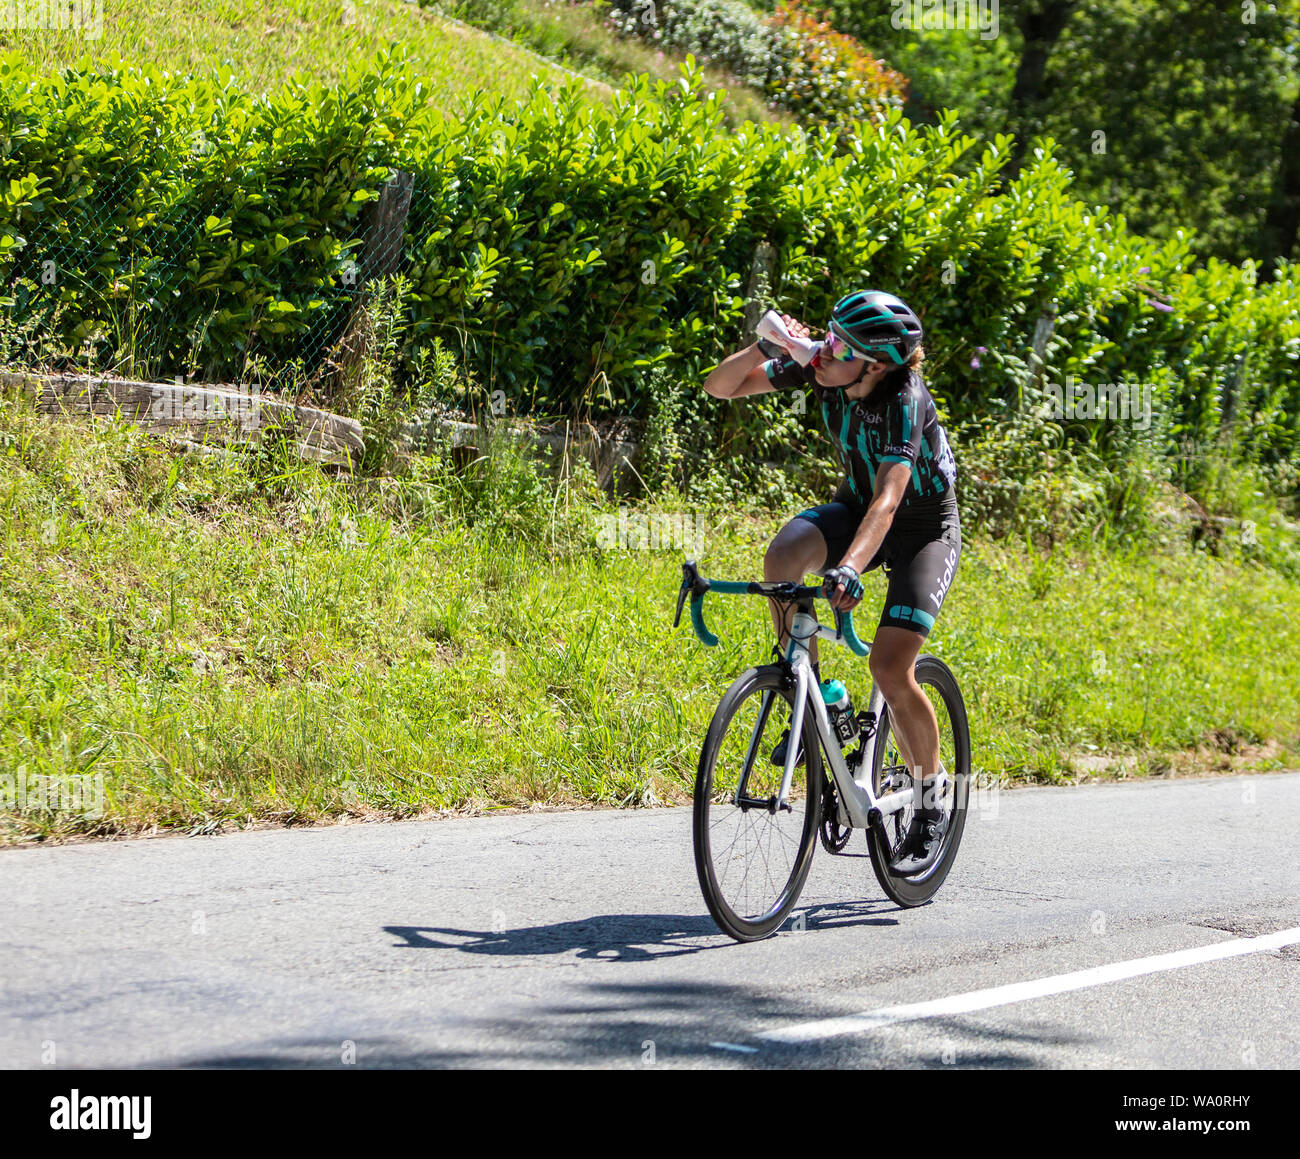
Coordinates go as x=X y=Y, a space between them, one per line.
x=843 y=586
x=797 y=328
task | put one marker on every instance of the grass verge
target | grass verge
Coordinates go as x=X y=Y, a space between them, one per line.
x=227 y=641
x=264 y=42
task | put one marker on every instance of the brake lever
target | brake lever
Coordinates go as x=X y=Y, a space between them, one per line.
x=697 y=587
x=692 y=584
x=681 y=601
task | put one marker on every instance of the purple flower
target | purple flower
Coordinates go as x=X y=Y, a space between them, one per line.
x=975 y=363
x=981 y=349
x=1145 y=270
x=1160 y=306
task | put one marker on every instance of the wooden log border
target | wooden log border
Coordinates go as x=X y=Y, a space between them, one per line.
x=224 y=415
x=611 y=452
x=228 y=416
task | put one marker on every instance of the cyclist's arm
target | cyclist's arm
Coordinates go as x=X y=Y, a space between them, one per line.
x=750 y=371
x=891 y=485
x=902 y=444
x=740 y=375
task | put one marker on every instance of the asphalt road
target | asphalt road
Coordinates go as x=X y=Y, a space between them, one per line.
x=581 y=939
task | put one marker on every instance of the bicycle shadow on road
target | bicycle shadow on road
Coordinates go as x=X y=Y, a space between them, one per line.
x=628 y=937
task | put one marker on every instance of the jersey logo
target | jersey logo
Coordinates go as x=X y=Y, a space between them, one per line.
x=867 y=416
x=947 y=464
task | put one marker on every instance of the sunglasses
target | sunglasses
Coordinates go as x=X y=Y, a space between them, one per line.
x=836 y=349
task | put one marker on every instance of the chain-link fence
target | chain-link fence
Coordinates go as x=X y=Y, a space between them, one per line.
x=169 y=300
x=81 y=298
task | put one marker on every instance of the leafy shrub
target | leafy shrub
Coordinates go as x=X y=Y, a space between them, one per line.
x=830 y=76
x=191 y=224
x=801 y=63
x=724 y=33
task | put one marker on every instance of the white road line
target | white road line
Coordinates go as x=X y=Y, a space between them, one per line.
x=1024 y=991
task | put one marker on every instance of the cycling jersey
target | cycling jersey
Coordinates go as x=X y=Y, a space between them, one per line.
x=904 y=430
x=921 y=549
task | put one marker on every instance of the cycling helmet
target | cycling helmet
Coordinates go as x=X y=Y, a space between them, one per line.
x=877 y=326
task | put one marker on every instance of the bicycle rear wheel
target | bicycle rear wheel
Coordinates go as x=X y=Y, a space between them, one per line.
x=890 y=771
x=752 y=860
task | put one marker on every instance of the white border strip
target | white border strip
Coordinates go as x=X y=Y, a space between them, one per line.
x=1025 y=991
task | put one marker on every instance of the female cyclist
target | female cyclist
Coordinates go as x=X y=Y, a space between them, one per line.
x=896 y=506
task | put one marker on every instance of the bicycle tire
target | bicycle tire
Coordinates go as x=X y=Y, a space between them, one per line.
x=914 y=891
x=709 y=815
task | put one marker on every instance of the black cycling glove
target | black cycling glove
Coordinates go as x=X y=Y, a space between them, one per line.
x=845 y=577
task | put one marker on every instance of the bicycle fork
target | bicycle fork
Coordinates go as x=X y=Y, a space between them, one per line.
x=854 y=791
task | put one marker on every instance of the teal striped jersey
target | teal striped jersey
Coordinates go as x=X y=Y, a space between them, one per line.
x=905 y=429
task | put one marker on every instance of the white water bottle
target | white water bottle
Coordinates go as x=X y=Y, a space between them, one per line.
x=771 y=327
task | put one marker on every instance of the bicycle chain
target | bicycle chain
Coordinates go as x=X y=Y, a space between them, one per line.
x=834 y=836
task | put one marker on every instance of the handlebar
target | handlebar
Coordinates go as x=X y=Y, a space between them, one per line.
x=697 y=587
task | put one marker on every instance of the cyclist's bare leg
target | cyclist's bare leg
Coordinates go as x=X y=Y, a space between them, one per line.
x=798 y=550
x=893 y=668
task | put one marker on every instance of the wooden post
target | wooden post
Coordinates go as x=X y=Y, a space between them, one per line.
x=386 y=227
x=383 y=231
x=760 y=286
x=1232 y=394
x=1043 y=330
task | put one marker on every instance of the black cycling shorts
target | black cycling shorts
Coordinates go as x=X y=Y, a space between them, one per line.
x=919 y=554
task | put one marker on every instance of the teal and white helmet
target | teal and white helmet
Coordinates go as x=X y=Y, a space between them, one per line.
x=877 y=326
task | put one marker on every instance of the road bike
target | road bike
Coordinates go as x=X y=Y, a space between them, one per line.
x=757 y=823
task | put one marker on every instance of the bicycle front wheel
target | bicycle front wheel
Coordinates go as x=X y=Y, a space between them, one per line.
x=752 y=858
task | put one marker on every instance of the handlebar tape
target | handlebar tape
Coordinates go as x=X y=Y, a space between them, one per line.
x=697 y=622
x=850 y=637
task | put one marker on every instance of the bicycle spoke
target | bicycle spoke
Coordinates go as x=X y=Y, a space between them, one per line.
x=754 y=853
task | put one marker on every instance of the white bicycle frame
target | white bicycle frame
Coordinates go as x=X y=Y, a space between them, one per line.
x=857 y=799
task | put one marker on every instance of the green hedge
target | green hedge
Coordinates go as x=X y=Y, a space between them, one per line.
x=182 y=219
x=562 y=249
